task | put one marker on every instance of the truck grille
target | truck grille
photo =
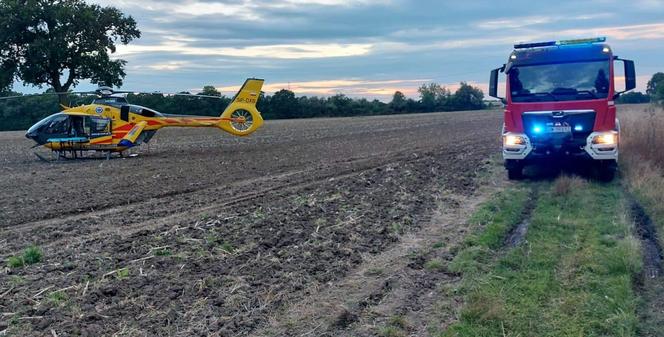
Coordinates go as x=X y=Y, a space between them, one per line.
x=559 y=130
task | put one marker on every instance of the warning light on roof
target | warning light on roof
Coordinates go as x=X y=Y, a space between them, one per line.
x=534 y=45
x=559 y=43
x=582 y=41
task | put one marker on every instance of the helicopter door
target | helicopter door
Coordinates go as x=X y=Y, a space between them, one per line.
x=77 y=127
x=97 y=126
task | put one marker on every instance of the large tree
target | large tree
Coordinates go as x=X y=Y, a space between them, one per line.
x=399 y=102
x=60 y=42
x=656 y=87
x=433 y=97
x=468 y=97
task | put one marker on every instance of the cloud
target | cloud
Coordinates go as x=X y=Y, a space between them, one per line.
x=190 y=43
x=282 y=51
x=169 y=66
x=351 y=87
x=653 y=31
x=521 y=22
x=248 y=10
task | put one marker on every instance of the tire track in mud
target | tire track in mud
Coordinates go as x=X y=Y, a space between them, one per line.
x=647 y=234
x=517 y=234
x=650 y=284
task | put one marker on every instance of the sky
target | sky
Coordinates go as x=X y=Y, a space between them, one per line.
x=365 y=48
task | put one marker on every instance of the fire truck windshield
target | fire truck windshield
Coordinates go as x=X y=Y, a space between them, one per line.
x=559 y=82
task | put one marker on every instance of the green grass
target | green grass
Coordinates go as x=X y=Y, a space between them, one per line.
x=438 y=245
x=162 y=252
x=396 y=327
x=434 y=265
x=573 y=276
x=58 y=297
x=490 y=225
x=31 y=255
x=122 y=274
x=15 y=262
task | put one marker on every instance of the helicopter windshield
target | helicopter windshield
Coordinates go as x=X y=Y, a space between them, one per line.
x=62 y=125
x=56 y=122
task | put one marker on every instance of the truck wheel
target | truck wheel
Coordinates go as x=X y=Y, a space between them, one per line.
x=515 y=173
x=514 y=169
x=606 y=172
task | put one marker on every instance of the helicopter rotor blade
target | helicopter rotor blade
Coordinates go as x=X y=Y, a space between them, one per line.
x=107 y=91
x=197 y=95
x=166 y=94
x=47 y=94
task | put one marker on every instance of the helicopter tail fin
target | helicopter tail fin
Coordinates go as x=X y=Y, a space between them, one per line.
x=241 y=117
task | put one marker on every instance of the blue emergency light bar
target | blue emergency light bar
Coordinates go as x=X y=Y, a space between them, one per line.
x=534 y=45
x=559 y=43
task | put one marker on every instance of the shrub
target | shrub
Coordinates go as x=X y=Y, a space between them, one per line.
x=31 y=255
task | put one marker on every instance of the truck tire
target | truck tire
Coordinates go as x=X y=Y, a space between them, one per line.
x=515 y=173
x=606 y=172
x=514 y=169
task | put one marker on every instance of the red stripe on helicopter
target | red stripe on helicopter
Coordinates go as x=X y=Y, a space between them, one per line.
x=125 y=127
x=106 y=141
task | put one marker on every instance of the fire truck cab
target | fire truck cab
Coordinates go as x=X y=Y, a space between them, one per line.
x=560 y=104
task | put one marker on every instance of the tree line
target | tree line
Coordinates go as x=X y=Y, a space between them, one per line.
x=654 y=92
x=21 y=113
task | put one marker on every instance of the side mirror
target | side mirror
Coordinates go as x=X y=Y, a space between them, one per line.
x=493 y=83
x=630 y=77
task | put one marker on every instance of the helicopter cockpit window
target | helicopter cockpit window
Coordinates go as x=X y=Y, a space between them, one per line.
x=143 y=111
x=57 y=125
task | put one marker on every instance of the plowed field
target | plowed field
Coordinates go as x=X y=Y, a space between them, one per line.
x=315 y=227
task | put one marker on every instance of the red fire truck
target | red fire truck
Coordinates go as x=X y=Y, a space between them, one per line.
x=560 y=104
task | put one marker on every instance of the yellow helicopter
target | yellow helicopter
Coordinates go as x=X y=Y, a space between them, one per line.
x=111 y=125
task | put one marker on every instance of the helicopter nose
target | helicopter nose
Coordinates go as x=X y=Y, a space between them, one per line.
x=31 y=135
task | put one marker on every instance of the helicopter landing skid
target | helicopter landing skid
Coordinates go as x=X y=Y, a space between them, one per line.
x=41 y=157
x=79 y=155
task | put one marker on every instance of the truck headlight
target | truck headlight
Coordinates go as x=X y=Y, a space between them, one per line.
x=512 y=140
x=609 y=138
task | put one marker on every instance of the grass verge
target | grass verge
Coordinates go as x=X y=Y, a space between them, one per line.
x=573 y=276
x=642 y=160
x=642 y=167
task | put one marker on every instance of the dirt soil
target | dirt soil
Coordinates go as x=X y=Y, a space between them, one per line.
x=206 y=234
